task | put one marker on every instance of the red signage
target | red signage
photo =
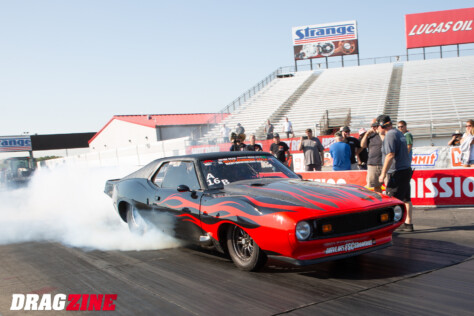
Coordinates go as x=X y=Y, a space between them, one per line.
x=428 y=187
x=440 y=28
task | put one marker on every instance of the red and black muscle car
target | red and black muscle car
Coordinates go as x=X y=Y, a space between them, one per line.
x=252 y=207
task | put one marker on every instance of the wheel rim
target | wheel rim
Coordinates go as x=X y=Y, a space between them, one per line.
x=243 y=244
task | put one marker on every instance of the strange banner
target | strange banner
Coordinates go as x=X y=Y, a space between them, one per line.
x=440 y=28
x=15 y=143
x=325 y=40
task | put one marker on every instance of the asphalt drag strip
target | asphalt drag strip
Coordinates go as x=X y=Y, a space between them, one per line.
x=429 y=272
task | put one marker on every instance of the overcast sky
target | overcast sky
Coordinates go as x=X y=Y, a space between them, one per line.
x=69 y=66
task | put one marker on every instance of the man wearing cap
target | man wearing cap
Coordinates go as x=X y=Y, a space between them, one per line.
x=354 y=144
x=313 y=151
x=340 y=153
x=396 y=166
x=239 y=129
x=279 y=149
x=373 y=143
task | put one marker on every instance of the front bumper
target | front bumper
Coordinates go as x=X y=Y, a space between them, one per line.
x=298 y=262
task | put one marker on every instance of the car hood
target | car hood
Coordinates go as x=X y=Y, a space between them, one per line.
x=294 y=194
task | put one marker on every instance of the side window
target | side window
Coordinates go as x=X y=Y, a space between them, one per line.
x=159 y=176
x=180 y=172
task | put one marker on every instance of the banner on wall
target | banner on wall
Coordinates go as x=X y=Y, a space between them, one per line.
x=15 y=143
x=437 y=187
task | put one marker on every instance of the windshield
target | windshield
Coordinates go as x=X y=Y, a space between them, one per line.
x=227 y=170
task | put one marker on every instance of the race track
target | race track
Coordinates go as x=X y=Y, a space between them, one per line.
x=429 y=272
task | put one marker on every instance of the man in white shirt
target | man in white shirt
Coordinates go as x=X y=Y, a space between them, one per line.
x=288 y=128
x=225 y=133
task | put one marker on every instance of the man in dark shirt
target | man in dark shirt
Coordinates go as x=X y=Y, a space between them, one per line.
x=279 y=149
x=396 y=166
x=373 y=143
x=354 y=144
x=252 y=146
x=363 y=153
x=313 y=151
x=237 y=142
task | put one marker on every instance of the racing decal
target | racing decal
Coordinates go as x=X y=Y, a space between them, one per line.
x=349 y=246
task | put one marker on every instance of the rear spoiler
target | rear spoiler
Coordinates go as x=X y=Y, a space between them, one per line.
x=109 y=186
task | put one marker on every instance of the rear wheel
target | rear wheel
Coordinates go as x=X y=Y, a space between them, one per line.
x=136 y=223
x=243 y=250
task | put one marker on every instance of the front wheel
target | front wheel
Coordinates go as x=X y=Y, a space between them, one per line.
x=136 y=223
x=243 y=250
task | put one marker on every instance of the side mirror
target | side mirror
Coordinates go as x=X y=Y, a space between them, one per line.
x=183 y=188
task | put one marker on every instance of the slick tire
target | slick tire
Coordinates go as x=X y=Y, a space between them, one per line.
x=136 y=224
x=243 y=250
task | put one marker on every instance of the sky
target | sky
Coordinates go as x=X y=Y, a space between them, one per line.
x=70 y=66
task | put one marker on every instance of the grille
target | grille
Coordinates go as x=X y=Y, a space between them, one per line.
x=352 y=223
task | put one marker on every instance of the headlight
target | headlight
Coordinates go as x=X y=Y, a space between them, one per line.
x=397 y=213
x=303 y=230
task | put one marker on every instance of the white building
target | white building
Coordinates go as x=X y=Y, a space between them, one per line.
x=132 y=130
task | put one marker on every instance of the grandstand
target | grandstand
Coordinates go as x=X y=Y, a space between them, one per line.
x=437 y=96
x=342 y=96
x=253 y=114
x=434 y=96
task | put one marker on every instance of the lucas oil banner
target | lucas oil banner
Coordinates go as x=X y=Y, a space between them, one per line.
x=325 y=40
x=440 y=28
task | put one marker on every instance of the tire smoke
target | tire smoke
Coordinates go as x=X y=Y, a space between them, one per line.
x=68 y=205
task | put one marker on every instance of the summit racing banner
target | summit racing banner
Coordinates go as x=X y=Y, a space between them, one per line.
x=325 y=40
x=439 y=28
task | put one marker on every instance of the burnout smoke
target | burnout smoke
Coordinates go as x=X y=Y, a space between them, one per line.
x=68 y=205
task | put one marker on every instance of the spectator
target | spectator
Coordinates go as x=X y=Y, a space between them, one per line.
x=467 y=145
x=238 y=142
x=340 y=153
x=239 y=129
x=373 y=143
x=269 y=130
x=354 y=144
x=252 y=146
x=279 y=149
x=363 y=154
x=396 y=166
x=313 y=151
x=225 y=131
x=402 y=126
x=456 y=139
x=288 y=128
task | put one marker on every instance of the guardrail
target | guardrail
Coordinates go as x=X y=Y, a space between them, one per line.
x=352 y=60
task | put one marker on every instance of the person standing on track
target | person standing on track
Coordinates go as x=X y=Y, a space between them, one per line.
x=396 y=166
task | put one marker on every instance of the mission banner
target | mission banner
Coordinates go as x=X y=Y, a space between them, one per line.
x=325 y=40
x=440 y=28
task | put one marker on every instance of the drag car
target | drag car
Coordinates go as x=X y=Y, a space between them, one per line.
x=252 y=207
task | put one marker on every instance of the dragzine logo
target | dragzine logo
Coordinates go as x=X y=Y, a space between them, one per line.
x=59 y=302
